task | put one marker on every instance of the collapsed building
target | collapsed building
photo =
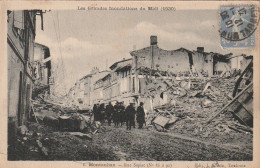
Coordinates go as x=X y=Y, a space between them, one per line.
x=179 y=61
x=158 y=77
x=126 y=81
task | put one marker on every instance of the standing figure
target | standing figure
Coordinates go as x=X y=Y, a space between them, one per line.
x=130 y=116
x=109 y=113
x=140 y=116
x=116 y=114
x=95 y=112
x=101 y=110
x=98 y=113
x=133 y=118
x=122 y=113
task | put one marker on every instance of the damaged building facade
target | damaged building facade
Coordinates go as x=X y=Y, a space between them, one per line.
x=152 y=63
x=20 y=50
x=85 y=92
x=42 y=64
x=42 y=67
x=131 y=80
x=119 y=84
x=179 y=61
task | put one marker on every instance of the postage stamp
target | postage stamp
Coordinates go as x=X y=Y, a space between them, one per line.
x=237 y=25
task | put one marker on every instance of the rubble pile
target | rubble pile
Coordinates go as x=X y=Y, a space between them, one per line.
x=214 y=93
x=60 y=117
x=39 y=89
x=50 y=116
x=152 y=72
x=38 y=142
x=64 y=119
x=194 y=100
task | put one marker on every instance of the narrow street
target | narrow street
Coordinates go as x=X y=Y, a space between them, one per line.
x=118 y=144
x=59 y=133
x=191 y=99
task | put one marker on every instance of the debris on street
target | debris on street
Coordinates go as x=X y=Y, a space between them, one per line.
x=155 y=105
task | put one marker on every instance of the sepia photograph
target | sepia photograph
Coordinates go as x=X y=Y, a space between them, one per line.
x=131 y=83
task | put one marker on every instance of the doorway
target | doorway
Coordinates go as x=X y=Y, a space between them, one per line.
x=20 y=99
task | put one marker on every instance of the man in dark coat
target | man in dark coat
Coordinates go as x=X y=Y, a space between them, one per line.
x=140 y=116
x=130 y=115
x=109 y=113
x=122 y=113
x=101 y=111
x=133 y=118
x=116 y=114
x=95 y=112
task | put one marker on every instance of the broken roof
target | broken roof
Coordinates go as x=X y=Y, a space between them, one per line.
x=124 y=65
x=242 y=55
x=147 y=49
x=113 y=66
x=221 y=57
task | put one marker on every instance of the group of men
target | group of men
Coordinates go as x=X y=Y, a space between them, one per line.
x=119 y=114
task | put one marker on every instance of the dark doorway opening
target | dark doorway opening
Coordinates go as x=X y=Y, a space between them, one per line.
x=20 y=99
x=28 y=96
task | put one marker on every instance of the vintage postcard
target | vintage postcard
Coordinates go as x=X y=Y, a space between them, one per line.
x=130 y=84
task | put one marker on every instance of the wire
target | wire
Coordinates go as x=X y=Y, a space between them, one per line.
x=59 y=41
x=62 y=63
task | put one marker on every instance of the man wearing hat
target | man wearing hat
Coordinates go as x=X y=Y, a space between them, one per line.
x=130 y=116
x=116 y=114
x=140 y=116
x=109 y=112
x=121 y=113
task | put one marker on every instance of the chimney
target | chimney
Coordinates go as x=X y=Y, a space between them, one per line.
x=153 y=46
x=200 y=49
x=153 y=40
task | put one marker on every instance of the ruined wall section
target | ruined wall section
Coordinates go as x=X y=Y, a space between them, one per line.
x=203 y=62
x=208 y=65
x=198 y=61
x=173 y=61
x=163 y=60
x=143 y=58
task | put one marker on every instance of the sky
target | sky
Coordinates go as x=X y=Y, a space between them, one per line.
x=87 y=39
